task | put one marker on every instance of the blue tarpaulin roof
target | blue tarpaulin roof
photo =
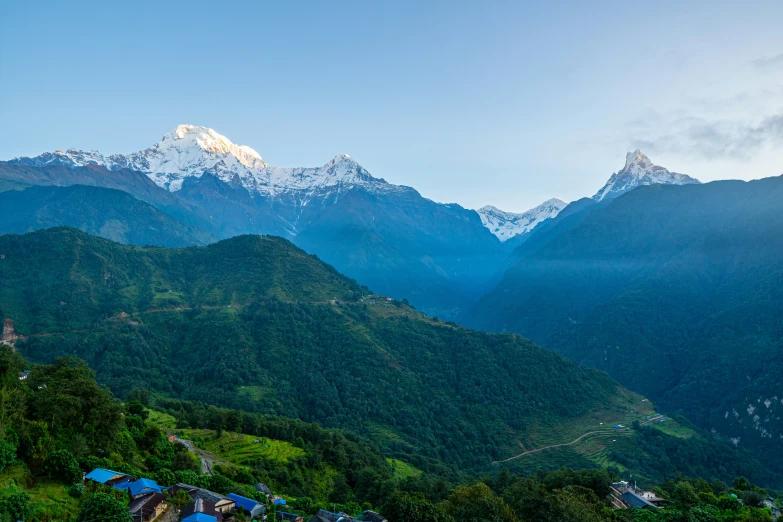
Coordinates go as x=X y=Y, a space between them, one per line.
x=125 y=484
x=199 y=517
x=280 y=502
x=143 y=485
x=102 y=475
x=243 y=502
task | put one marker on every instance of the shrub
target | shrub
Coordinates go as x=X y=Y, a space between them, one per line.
x=62 y=465
x=102 y=506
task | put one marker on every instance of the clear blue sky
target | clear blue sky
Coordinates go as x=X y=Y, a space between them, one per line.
x=504 y=103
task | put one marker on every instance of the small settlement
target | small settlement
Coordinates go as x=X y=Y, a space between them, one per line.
x=149 y=501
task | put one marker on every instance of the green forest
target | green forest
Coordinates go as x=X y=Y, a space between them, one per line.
x=59 y=423
x=255 y=324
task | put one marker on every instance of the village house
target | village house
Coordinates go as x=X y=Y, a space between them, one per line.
x=222 y=504
x=253 y=507
x=138 y=488
x=201 y=511
x=147 y=508
x=372 y=516
x=328 y=516
x=263 y=488
x=107 y=476
x=282 y=516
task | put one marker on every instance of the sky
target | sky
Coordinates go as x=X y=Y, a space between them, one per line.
x=502 y=103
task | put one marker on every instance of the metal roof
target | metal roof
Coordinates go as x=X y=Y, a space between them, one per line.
x=635 y=501
x=102 y=475
x=200 y=517
x=244 y=502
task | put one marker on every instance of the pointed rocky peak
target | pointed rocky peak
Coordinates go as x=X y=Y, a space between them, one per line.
x=341 y=159
x=505 y=225
x=638 y=158
x=639 y=171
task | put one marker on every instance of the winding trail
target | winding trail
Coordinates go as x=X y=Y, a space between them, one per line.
x=555 y=445
x=205 y=457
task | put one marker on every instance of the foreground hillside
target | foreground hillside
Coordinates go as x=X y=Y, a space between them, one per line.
x=255 y=323
x=674 y=291
x=47 y=445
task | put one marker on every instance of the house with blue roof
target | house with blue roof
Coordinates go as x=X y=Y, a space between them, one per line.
x=107 y=476
x=143 y=486
x=248 y=504
x=200 y=517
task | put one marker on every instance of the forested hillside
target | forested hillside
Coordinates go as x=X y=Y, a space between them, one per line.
x=57 y=424
x=675 y=291
x=256 y=324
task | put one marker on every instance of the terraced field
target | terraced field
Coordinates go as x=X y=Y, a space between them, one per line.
x=242 y=449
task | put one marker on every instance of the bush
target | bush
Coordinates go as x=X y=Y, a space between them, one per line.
x=15 y=504
x=62 y=465
x=103 y=507
x=7 y=454
x=165 y=477
x=77 y=490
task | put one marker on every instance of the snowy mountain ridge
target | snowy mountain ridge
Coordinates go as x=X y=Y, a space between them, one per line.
x=505 y=225
x=639 y=171
x=191 y=151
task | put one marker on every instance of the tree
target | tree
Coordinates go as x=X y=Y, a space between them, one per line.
x=15 y=503
x=753 y=498
x=477 y=503
x=7 y=454
x=102 y=507
x=62 y=465
x=165 y=477
x=413 y=507
x=741 y=484
x=185 y=461
x=181 y=499
x=684 y=496
x=135 y=407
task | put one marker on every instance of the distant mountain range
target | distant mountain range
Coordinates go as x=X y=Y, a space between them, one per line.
x=390 y=238
x=674 y=291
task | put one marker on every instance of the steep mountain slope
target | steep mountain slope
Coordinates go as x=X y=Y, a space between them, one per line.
x=404 y=245
x=639 y=171
x=256 y=323
x=673 y=290
x=108 y=213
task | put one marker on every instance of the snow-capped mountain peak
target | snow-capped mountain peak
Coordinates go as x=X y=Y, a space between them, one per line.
x=210 y=141
x=505 y=225
x=639 y=158
x=639 y=171
x=190 y=151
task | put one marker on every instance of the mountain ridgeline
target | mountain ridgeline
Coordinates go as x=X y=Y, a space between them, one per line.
x=674 y=291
